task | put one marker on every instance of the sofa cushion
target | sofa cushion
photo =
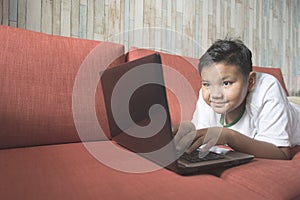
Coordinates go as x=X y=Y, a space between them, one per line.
x=38 y=73
x=271 y=179
x=69 y=171
x=182 y=82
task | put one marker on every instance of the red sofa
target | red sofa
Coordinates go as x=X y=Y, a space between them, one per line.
x=51 y=107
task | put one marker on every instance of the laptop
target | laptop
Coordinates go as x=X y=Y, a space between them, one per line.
x=139 y=119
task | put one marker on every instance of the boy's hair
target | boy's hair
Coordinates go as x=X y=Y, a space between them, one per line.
x=229 y=52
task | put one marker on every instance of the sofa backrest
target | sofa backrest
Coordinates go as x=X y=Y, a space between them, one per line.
x=182 y=103
x=37 y=84
x=46 y=92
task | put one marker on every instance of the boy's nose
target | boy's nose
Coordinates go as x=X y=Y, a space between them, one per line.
x=216 y=92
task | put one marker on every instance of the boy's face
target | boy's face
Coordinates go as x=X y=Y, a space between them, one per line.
x=224 y=88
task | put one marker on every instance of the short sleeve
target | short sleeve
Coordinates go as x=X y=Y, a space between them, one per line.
x=272 y=121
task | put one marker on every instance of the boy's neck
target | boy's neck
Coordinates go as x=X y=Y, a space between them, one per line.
x=234 y=116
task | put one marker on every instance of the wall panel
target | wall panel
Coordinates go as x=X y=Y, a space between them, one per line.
x=270 y=28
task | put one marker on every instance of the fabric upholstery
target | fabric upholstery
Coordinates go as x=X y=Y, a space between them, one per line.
x=271 y=179
x=37 y=78
x=68 y=171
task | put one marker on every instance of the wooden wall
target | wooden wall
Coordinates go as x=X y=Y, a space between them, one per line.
x=270 y=28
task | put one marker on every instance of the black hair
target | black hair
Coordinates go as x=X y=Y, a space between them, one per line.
x=229 y=52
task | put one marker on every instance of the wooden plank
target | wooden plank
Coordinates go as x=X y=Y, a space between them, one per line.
x=47 y=16
x=83 y=9
x=113 y=20
x=179 y=6
x=99 y=25
x=179 y=21
x=33 y=15
x=298 y=43
x=138 y=23
x=218 y=19
x=173 y=25
x=126 y=24
x=83 y=2
x=232 y=12
x=56 y=22
x=204 y=26
x=131 y=24
x=22 y=14
x=239 y=16
x=56 y=18
x=145 y=32
x=90 y=19
x=162 y=10
x=13 y=12
x=188 y=28
x=251 y=25
x=106 y=21
x=75 y=17
x=82 y=21
x=5 y=12
x=1 y=9
x=162 y=43
x=65 y=18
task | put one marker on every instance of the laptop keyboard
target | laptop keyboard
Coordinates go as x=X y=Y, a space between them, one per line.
x=193 y=157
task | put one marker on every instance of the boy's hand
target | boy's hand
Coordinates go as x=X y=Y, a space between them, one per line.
x=207 y=138
x=185 y=134
x=188 y=139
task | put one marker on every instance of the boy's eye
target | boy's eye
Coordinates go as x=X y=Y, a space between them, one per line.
x=226 y=83
x=205 y=84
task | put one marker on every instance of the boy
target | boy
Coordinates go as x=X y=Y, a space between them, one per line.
x=237 y=107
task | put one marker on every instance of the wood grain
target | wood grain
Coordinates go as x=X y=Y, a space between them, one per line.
x=270 y=28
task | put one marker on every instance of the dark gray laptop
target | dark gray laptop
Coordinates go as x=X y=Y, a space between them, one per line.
x=139 y=119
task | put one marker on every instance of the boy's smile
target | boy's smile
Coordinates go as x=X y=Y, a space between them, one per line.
x=225 y=88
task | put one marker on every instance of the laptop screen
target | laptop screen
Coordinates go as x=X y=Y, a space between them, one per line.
x=136 y=104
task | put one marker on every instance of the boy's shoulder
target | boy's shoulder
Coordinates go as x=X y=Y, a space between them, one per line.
x=263 y=76
x=267 y=90
x=267 y=87
x=266 y=82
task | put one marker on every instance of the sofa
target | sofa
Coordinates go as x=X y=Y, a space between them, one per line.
x=54 y=136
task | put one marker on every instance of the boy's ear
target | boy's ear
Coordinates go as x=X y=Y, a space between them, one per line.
x=251 y=81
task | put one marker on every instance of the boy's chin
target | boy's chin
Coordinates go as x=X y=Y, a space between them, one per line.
x=221 y=111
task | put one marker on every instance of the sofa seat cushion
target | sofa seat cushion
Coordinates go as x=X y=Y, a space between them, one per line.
x=38 y=74
x=271 y=179
x=69 y=171
x=182 y=81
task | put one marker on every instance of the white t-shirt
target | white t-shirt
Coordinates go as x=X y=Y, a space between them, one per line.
x=268 y=117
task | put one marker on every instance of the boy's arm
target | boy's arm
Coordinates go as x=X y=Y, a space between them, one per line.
x=238 y=142
x=261 y=149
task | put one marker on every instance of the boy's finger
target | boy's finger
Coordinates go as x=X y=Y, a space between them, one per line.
x=183 y=129
x=195 y=145
x=185 y=141
x=175 y=129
